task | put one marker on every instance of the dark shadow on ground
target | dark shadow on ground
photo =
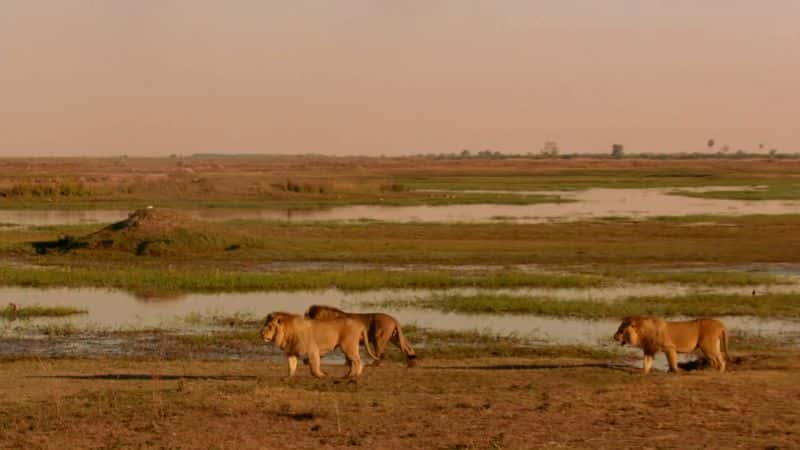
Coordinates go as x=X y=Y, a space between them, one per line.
x=61 y=245
x=137 y=376
x=622 y=367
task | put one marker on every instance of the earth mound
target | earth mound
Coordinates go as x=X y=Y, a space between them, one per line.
x=152 y=231
x=149 y=221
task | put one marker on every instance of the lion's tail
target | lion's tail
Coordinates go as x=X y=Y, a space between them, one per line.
x=365 y=337
x=724 y=344
x=405 y=347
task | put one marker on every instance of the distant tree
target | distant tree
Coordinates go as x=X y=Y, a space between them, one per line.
x=550 y=149
x=710 y=144
x=773 y=152
x=465 y=153
x=617 y=151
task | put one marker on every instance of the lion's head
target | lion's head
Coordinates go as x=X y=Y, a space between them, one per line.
x=273 y=327
x=628 y=331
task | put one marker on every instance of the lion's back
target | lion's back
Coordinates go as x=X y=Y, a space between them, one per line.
x=689 y=334
x=331 y=332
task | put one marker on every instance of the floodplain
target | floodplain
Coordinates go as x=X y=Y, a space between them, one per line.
x=139 y=287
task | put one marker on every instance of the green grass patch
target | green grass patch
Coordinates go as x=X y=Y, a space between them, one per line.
x=773 y=189
x=33 y=311
x=777 y=305
x=575 y=179
x=222 y=281
x=705 y=278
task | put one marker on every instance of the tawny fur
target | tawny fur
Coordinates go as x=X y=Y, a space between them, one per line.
x=298 y=337
x=381 y=329
x=654 y=335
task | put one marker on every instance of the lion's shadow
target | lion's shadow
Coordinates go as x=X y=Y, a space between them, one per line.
x=142 y=376
x=621 y=367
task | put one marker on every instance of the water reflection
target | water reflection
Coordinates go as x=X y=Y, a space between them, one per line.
x=587 y=204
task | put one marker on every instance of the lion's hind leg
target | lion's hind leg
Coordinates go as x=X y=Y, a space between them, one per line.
x=353 y=362
x=381 y=338
x=400 y=340
x=315 y=365
x=713 y=353
x=672 y=359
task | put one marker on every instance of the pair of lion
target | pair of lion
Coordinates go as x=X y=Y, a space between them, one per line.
x=325 y=328
x=654 y=335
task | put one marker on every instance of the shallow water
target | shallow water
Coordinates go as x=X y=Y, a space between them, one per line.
x=587 y=204
x=118 y=310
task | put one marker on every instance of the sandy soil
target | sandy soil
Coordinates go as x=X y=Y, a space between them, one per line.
x=481 y=403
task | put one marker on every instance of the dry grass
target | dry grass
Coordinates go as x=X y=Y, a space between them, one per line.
x=313 y=181
x=482 y=403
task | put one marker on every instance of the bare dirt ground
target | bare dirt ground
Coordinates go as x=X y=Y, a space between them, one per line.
x=469 y=403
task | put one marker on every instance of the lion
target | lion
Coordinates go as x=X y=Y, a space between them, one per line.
x=298 y=336
x=382 y=328
x=654 y=335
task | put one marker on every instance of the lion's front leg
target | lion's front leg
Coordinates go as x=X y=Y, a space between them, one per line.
x=648 y=363
x=292 y=361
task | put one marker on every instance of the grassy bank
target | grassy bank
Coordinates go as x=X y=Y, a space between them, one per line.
x=135 y=279
x=152 y=282
x=701 y=278
x=729 y=240
x=736 y=239
x=766 y=306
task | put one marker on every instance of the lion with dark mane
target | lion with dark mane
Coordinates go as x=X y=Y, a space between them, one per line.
x=381 y=329
x=298 y=337
x=654 y=335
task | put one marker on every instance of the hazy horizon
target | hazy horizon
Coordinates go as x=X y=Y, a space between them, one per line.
x=151 y=78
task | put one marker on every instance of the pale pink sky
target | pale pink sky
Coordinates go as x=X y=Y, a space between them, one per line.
x=154 y=77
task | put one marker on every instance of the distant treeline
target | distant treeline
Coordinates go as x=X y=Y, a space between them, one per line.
x=663 y=156
x=494 y=154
